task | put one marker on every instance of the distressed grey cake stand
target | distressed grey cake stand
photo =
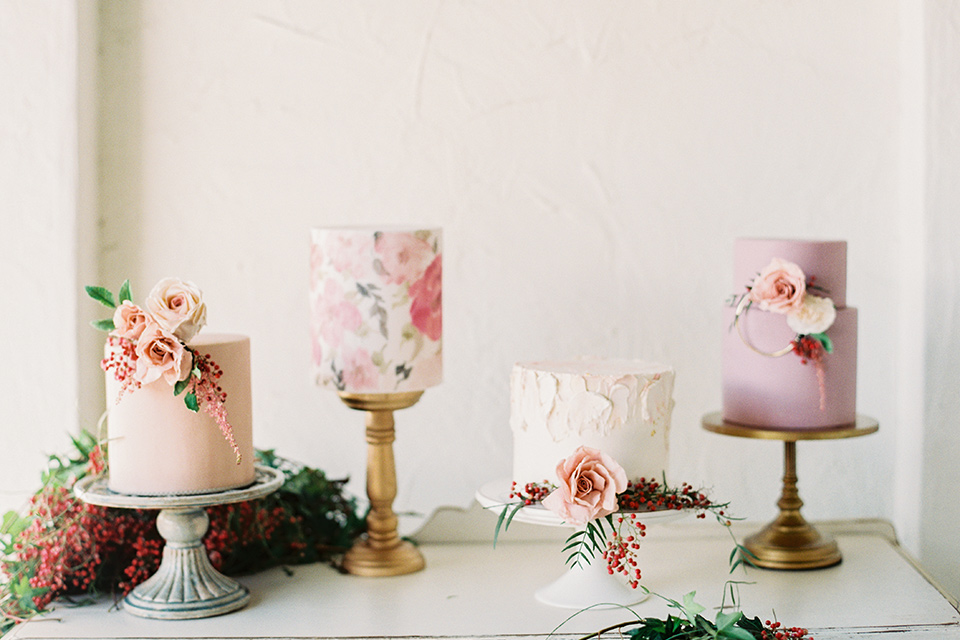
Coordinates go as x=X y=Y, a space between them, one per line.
x=186 y=585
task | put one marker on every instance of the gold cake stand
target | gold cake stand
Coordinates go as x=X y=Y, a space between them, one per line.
x=790 y=542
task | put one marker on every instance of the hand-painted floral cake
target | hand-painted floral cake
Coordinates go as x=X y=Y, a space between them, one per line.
x=377 y=313
x=619 y=407
x=178 y=404
x=790 y=341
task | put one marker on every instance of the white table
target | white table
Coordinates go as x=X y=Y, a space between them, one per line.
x=471 y=590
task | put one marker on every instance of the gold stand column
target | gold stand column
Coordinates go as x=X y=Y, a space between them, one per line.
x=790 y=542
x=381 y=552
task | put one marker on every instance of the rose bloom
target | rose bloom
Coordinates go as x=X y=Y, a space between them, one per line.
x=160 y=353
x=404 y=256
x=178 y=307
x=589 y=483
x=359 y=372
x=815 y=316
x=779 y=287
x=129 y=320
x=334 y=314
x=426 y=306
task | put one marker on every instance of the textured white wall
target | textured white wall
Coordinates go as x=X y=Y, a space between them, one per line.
x=591 y=165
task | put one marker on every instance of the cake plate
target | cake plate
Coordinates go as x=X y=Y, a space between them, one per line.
x=790 y=542
x=186 y=585
x=589 y=586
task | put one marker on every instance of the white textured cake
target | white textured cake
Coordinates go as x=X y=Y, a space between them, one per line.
x=620 y=407
x=159 y=447
x=179 y=415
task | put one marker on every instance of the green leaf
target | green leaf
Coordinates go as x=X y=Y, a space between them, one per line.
x=101 y=295
x=736 y=633
x=191 y=401
x=103 y=325
x=825 y=340
x=124 y=294
x=180 y=386
x=727 y=620
x=196 y=373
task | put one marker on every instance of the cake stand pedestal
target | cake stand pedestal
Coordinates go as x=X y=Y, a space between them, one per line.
x=790 y=542
x=186 y=585
x=589 y=586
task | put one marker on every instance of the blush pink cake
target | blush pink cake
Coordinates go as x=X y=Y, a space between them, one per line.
x=179 y=415
x=790 y=293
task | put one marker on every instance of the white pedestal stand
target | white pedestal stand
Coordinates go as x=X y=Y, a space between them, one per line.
x=186 y=585
x=587 y=586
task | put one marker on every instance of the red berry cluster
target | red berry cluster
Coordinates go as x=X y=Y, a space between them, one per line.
x=620 y=553
x=532 y=492
x=121 y=359
x=809 y=349
x=650 y=495
x=776 y=631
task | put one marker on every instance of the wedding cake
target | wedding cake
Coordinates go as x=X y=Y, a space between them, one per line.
x=620 y=407
x=790 y=340
x=179 y=417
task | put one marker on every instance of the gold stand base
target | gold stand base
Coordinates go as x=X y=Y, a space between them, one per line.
x=363 y=559
x=791 y=546
x=381 y=552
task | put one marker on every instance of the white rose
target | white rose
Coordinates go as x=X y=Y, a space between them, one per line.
x=815 y=316
x=178 y=307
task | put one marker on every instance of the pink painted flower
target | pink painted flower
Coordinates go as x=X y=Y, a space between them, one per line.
x=589 y=483
x=779 y=287
x=160 y=353
x=129 y=321
x=350 y=253
x=335 y=313
x=426 y=305
x=178 y=307
x=359 y=372
x=404 y=256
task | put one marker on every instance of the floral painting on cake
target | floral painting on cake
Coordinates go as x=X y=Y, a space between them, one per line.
x=376 y=309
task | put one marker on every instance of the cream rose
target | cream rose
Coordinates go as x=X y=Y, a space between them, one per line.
x=129 y=320
x=589 y=483
x=178 y=307
x=779 y=287
x=160 y=353
x=815 y=316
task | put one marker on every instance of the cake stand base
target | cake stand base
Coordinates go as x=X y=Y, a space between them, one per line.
x=186 y=585
x=787 y=546
x=365 y=559
x=589 y=587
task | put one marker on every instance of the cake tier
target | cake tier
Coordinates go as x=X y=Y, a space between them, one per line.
x=376 y=308
x=620 y=407
x=782 y=392
x=157 y=446
x=823 y=260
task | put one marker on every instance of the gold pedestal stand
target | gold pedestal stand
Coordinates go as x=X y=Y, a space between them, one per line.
x=381 y=552
x=790 y=542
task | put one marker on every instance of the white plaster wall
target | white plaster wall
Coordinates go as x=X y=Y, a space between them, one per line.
x=591 y=165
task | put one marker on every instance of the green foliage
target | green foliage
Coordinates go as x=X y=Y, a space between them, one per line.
x=191 y=401
x=102 y=295
x=103 y=325
x=825 y=340
x=124 y=295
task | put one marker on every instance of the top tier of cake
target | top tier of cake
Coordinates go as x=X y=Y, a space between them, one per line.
x=823 y=261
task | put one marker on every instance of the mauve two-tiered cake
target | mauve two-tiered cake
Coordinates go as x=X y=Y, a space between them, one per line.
x=789 y=338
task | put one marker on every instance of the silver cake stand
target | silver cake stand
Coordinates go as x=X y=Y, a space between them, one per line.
x=186 y=585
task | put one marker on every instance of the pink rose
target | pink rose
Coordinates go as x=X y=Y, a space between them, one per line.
x=129 y=320
x=349 y=253
x=589 y=484
x=426 y=306
x=359 y=372
x=335 y=314
x=404 y=256
x=178 y=307
x=160 y=353
x=779 y=287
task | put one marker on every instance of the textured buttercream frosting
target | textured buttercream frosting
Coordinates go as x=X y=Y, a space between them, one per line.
x=619 y=406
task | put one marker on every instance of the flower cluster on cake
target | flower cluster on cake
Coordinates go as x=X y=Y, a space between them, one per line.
x=167 y=394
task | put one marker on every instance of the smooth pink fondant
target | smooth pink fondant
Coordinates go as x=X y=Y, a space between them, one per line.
x=159 y=447
x=783 y=392
x=825 y=260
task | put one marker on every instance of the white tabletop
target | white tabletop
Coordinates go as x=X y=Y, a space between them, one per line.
x=469 y=589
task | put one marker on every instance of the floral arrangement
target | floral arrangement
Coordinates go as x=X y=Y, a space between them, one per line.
x=593 y=493
x=65 y=548
x=149 y=343
x=782 y=287
x=692 y=625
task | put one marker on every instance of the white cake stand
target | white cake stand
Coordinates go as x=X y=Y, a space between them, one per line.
x=186 y=585
x=589 y=586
